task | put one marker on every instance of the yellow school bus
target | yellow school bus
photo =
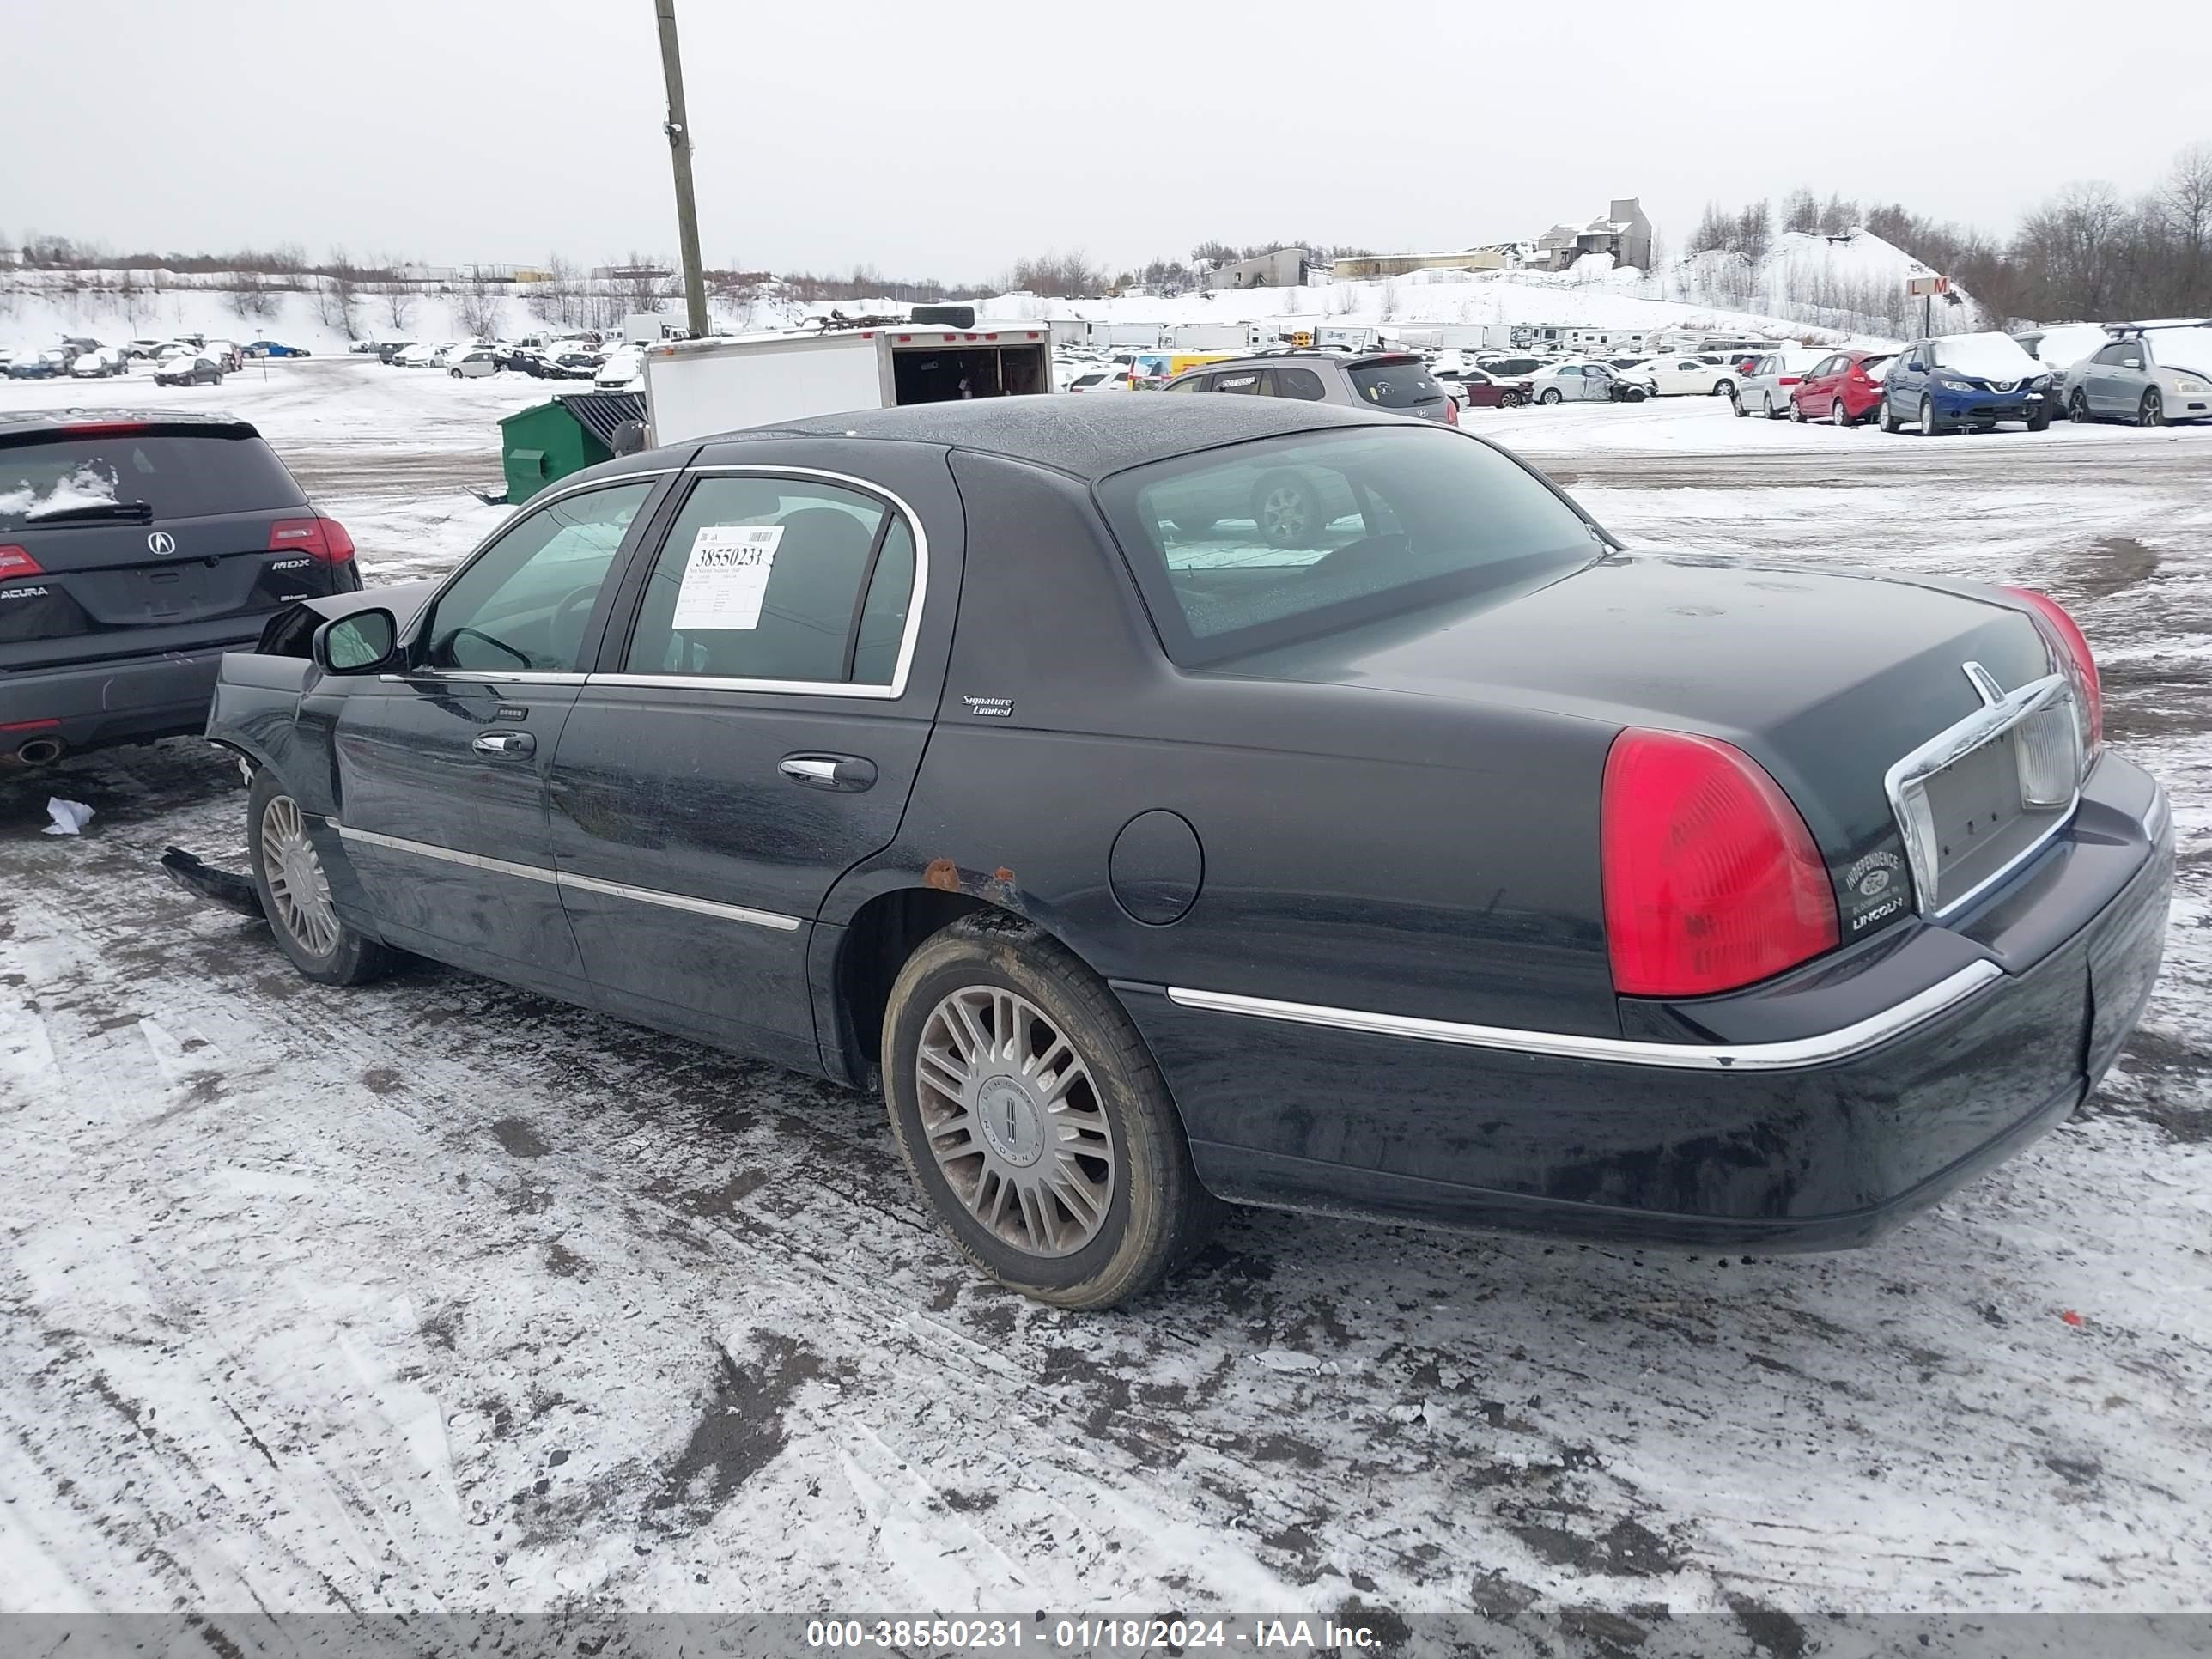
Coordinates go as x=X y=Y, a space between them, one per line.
x=1151 y=370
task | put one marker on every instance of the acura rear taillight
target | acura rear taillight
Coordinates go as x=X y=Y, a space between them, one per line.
x=2064 y=638
x=18 y=561
x=1711 y=879
x=323 y=539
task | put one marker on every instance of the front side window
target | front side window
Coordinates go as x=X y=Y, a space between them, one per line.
x=1240 y=549
x=777 y=579
x=522 y=606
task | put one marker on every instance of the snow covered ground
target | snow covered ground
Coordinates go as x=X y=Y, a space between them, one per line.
x=434 y=1296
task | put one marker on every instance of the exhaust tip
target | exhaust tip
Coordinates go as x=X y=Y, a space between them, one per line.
x=39 y=752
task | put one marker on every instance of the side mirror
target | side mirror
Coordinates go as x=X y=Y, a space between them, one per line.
x=359 y=643
x=2130 y=362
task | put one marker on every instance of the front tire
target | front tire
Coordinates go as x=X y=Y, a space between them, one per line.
x=1031 y=1114
x=1736 y=404
x=1927 y=422
x=1551 y=395
x=2077 y=408
x=1796 y=414
x=1287 y=510
x=2152 y=411
x=1889 y=420
x=295 y=894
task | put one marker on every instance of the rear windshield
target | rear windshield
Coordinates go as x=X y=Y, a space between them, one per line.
x=1393 y=386
x=1241 y=548
x=65 y=480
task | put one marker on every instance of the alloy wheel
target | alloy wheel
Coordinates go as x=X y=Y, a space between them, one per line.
x=1926 y=417
x=298 y=887
x=2077 y=409
x=1011 y=1116
x=1838 y=415
x=2153 y=412
x=1285 y=514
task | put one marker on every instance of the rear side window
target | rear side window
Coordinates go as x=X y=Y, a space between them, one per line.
x=777 y=579
x=1393 y=386
x=1247 y=547
x=131 y=477
x=1300 y=383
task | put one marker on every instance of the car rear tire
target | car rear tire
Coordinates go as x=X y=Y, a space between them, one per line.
x=1031 y=1116
x=2152 y=411
x=1889 y=420
x=1725 y=388
x=1287 y=510
x=295 y=894
x=1551 y=395
x=1838 y=415
x=1927 y=422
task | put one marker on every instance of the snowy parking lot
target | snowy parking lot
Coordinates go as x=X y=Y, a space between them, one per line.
x=436 y=1296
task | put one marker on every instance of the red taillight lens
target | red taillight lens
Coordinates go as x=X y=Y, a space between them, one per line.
x=1451 y=411
x=2066 y=638
x=18 y=561
x=323 y=539
x=1711 y=878
x=1789 y=380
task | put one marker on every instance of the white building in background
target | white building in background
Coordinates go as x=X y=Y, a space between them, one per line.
x=1282 y=267
x=1622 y=231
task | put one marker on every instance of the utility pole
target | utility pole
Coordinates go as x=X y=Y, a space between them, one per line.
x=678 y=128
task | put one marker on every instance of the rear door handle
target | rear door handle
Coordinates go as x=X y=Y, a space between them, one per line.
x=848 y=773
x=505 y=743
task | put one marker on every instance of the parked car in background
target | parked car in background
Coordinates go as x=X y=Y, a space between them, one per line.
x=1123 y=856
x=582 y=364
x=2062 y=345
x=276 y=349
x=2152 y=374
x=194 y=368
x=100 y=363
x=1767 y=380
x=1580 y=382
x=226 y=354
x=1101 y=377
x=1958 y=382
x=1475 y=389
x=1843 y=388
x=139 y=348
x=623 y=369
x=1687 y=375
x=1397 y=382
x=38 y=364
x=420 y=355
x=1515 y=367
x=387 y=351
x=135 y=549
x=474 y=363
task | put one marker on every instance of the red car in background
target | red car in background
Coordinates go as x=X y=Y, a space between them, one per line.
x=1843 y=389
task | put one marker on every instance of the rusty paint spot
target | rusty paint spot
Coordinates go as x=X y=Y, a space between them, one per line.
x=1003 y=874
x=943 y=874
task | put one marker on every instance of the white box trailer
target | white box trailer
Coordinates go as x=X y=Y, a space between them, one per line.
x=1144 y=336
x=1215 y=337
x=696 y=387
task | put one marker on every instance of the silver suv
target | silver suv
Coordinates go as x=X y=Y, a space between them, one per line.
x=1396 y=380
x=2151 y=374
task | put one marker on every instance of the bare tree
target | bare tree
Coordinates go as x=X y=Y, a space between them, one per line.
x=398 y=301
x=1754 y=230
x=476 y=308
x=1801 y=211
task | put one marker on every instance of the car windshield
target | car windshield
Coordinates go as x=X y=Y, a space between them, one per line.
x=1241 y=548
x=91 y=478
x=1987 y=357
x=2182 y=348
x=1395 y=383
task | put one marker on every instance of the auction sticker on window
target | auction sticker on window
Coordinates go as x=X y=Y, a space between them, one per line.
x=726 y=576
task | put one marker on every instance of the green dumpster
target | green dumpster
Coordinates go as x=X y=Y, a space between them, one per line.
x=549 y=440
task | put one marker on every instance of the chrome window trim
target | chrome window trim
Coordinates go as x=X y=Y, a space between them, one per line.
x=485 y=676
x=767 y=919
x=1794 y=1055
x=908 y=642
x=1910 y=773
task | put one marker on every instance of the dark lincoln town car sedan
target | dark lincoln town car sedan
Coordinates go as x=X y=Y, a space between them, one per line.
x=1421 y=853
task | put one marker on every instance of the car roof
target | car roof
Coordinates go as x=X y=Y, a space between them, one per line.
x=1089 y=437
x=32 y=422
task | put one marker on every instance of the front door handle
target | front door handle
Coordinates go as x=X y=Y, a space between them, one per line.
x=505 y=743
x=848 y=773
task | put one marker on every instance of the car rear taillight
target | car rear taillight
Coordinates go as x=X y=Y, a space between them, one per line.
x=18 y=561
x=325 y=540
x=1711 y=879
x=1451 y=412
x=2064 y=637
x=1789 y=380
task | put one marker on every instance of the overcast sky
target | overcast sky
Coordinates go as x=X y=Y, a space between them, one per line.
x=465 y=130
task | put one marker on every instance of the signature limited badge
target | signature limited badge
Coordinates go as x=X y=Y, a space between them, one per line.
x=160 y=541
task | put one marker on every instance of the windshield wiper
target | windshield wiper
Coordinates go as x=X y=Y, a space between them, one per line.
x=96 y=513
